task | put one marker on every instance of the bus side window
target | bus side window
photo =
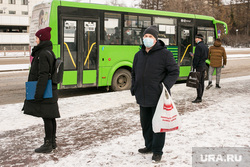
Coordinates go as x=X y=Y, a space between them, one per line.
x=167 y=30
x=133 y=29
x=112 y=29
x=208 y=34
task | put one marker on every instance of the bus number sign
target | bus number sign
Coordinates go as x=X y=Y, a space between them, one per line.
x=186 y=21
x=90 y=26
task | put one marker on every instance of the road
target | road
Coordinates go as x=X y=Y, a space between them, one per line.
x=12 y=83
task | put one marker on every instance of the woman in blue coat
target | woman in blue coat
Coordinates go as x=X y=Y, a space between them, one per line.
x=40 y=71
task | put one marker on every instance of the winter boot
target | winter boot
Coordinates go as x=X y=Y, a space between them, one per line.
x=144 y=150
x=54 y=145
x=209 y=85
x=197 y=100
x=218 y=86
x=46 y=147
x=156 y=157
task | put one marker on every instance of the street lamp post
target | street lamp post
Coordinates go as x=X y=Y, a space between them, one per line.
x=236 y=37
x=4 y=8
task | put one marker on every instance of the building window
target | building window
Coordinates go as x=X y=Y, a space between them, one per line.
x=15 y=29
x=25 y=13
x=1 y=1
x=24 y=2
x=1 y=11
x=12 y=1
x=12 y=12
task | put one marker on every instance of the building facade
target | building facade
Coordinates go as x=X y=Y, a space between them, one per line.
x=14 y=23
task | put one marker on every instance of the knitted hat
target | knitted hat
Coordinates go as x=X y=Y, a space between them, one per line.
x=44 y=34
x=199 y=36
x=152 y=30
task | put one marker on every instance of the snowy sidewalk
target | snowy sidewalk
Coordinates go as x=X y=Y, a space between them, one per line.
x=14 y=67
x=104 y=129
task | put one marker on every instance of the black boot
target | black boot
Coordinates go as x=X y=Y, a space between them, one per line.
x=197 y=100
x=209 y=85
x=46 y=147
x=218 y=86
x=156 y=157
x=54 y=145
x=144 y=150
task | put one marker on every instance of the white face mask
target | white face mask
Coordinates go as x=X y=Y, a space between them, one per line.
x=129 y=32
x=148 y=42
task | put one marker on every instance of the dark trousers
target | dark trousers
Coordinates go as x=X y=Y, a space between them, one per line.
x=153 y=141
x=200 y=89
x=50 y=128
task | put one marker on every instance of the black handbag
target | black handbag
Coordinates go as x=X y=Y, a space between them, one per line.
x=193 y=79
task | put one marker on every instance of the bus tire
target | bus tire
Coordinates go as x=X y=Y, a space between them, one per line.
x=121 y=80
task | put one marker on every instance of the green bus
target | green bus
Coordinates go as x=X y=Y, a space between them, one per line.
x=98 y=42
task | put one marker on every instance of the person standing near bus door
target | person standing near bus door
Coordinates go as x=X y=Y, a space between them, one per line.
x=199 y=64
x=216 y=54
x=40 y=71
x=152 y=65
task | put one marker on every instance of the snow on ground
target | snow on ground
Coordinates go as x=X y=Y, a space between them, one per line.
x=91 y=103
x=233 y=48
x=14 y=54
x=104 y=129
x=12 y=67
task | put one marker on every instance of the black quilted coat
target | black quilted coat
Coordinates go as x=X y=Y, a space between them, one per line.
x=40 y=70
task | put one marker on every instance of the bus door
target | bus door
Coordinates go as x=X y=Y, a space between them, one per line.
x=185 y=47
x=89 y=53
x=79 y=53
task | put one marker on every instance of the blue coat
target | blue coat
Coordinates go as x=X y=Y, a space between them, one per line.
x=149 y=71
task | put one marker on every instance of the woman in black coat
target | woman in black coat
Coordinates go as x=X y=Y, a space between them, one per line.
x=40 y=71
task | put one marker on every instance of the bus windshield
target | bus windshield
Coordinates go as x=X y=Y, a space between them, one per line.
x=39 y=20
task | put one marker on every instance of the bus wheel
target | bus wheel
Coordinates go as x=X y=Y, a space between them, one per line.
x=121 y=80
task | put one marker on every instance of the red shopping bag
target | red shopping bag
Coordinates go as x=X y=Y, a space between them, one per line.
x=166 y=117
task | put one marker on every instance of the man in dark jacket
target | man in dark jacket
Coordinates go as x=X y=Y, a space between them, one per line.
x=40 y=71
x=152 y=65
x=199 y=64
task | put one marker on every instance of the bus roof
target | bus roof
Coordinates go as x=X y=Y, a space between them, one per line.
x=131 y=10
x=136 y=10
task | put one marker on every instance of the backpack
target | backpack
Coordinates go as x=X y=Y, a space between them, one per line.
x=57 y=70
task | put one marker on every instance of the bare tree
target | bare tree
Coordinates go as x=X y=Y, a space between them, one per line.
x=236 y=14
x=115 y=3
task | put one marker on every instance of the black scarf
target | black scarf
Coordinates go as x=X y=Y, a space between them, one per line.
x=41 y=45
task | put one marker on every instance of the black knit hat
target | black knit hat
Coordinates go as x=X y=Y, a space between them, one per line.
x=199 y=36
x=152 y=30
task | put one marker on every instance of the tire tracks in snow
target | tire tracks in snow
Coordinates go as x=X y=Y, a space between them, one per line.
x=73 y=134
